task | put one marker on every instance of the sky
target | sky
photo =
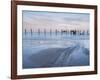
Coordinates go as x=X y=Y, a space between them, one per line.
x=55 y=20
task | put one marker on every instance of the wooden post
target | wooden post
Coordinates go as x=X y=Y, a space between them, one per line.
x=31 y=32
x=61 y=32
x=87 y=32
x=38 y=31
x=66 y=32
x=25 y=32
x=56 y=32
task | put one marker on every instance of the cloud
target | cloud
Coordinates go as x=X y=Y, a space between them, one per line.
x=53 y=20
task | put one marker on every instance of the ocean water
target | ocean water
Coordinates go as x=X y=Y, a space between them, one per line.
x=54 y=50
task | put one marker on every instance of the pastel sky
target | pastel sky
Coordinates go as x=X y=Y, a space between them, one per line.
x=55 y=20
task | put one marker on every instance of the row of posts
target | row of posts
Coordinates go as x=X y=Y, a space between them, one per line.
x=67 y=32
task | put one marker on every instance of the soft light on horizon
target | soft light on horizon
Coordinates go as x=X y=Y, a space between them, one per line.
x=55 y=20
